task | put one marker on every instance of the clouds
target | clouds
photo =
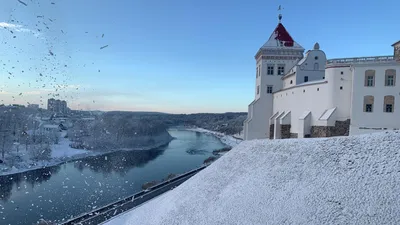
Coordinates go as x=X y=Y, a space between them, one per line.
x=9 y=25
x=19 y=28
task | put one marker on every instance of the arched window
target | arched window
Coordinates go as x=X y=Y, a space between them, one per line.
x=369 y=78
x=390 y=77
x=388 y=103
x=316 y=66
x=368 y=103
x=291 y=81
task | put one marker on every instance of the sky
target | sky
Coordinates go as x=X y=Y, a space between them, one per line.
x=176 y=56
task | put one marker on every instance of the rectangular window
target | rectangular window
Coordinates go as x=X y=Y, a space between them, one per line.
x=370 y=81
x=270 y=70
x=269 y=89
x=389 y=108
x=281 y=69
x=258 y=89
x=305 y=78
x=257 y=71
x=390 y=80
x=368 y=107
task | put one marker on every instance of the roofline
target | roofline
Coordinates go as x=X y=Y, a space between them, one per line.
x=395 y=43
x=302 y=85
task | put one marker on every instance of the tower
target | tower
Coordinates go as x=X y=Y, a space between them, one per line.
x=277 y=56
x=396 y=47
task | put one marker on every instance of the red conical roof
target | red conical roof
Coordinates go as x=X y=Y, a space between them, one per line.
x=281 y=35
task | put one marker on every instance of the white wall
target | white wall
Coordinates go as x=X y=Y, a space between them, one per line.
x=306 y=67
x=297 y=101
x=274 y=80
x=257 y=126
x=378 y=118
x=341 y=98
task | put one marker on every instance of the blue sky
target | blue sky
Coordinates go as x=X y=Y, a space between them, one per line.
x=178 y=56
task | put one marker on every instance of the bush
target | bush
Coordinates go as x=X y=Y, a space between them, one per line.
x=41 y=152
x=210 y=159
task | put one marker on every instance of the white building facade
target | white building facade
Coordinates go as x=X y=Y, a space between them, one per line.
x=300 y=96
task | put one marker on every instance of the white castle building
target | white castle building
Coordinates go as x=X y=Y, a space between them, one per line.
x=298 y=96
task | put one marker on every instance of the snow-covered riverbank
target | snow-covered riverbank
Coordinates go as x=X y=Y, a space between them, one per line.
x=60 y=153
x=226 y=139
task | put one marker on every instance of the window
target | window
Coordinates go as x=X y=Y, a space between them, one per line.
x=317 y=89
x=291 y=81
x=323 y=78
x=316 y=57
x=388 y=103
x=257 y=72
x=305 y=78
x=269 y=89
x=281 y=69
x=370 y=81
x=368 y=103
x=270 y=70
x=341 y=72
x=258 y=89
x=304 y=91
x=389 y=108
x=368 y=108
x=390 y=80
x=341 y=87
x=390 y=77
x=316 y=66
x=369 y=78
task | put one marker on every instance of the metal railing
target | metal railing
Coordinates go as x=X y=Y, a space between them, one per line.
x=111 y=210
x=360 y=60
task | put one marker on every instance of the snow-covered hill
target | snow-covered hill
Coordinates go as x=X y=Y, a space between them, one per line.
x=345 y=180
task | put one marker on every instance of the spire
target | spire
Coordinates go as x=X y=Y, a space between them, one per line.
x=280 y=15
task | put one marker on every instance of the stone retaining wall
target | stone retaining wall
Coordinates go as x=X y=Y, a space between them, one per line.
x=285 y=131
x=341 y=128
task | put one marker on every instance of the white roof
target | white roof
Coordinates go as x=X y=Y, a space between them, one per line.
x=327 y=114
x=346 y=180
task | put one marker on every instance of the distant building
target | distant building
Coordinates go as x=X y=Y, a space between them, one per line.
x=17 y=106
x=33 y=106
x=56 y=105
x=298 y=96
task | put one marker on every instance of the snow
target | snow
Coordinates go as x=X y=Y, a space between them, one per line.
x=60 y=153
x=344 y=180
x=226 y=139
x=62 y=150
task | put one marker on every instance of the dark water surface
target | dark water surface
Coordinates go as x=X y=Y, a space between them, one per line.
x=61 y=192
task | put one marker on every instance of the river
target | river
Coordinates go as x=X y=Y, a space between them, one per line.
x=67 y=190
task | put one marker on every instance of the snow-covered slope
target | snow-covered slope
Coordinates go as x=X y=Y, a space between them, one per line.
x=346 y=180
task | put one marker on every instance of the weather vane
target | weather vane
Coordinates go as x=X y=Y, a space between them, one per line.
x=280 y=15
